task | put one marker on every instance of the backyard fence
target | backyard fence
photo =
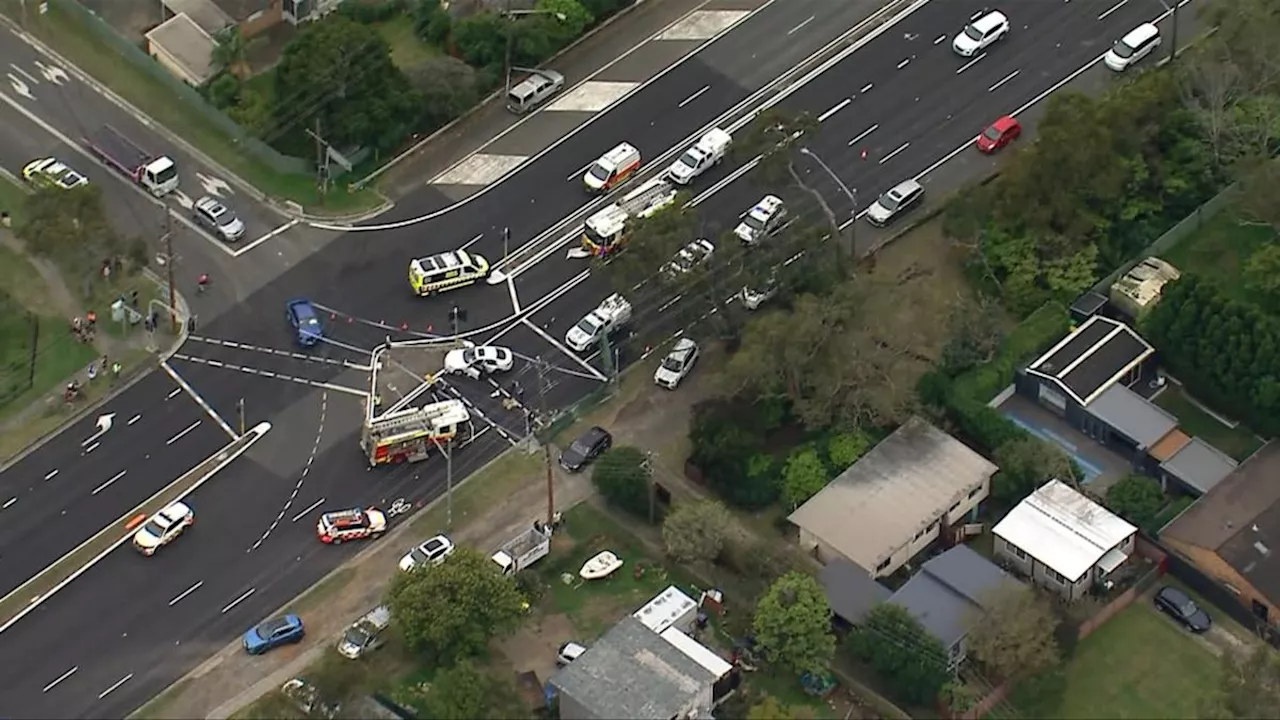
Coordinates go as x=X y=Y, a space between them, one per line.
x=74 y=12
x=1185 y=227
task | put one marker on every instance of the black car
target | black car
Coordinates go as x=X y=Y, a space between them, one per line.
x=585 y=449
x=1177 y=605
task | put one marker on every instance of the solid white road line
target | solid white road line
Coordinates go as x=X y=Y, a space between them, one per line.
x=515 y=299
x=939 y=40
x=569 y=354
x=61 y=677
x=134 y=419
x=91 y=448
x=694 y=96
x=182 y=434
x=970 y=64
x=1006 y=79
x=107 y=484
x=50 y=475
x=866 y=88
x=893 y=154
x=164 y=364
x=472 y=241
x=8 y=503
x=185 y=593
x=246 y=248
x=119 y=682
x=175 y=392
x=864 y=133
x=237 y=601
x=797 y=28
x=1113 y=8
x=310 y=507
x=837 y=108
x=904 y=63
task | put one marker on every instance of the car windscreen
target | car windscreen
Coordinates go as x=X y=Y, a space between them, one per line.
x=972 y=33
x=1122 y=50
x=688 y=159
x=889 y=201
x=357 y=636
x=167 y=175
x=154 y=529
x=225 y=218
x=468 y=356
x=671 y=363
x=581 y=447
x=992 y=133
x=754 y=221
x=599 y=172
x=586 y=326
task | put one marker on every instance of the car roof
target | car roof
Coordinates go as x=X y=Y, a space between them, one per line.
x=683 y=345
x=1174 y=594
x=1140 y=33
x=990 y=20
x=1004 y=122
x=302 y=305
x=904 y=187
x=595 y=433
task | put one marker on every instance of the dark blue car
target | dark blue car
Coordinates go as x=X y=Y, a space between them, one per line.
x=273 y=633
x=302 y=315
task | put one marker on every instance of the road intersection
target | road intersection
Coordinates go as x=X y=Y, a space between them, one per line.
x=901 y=97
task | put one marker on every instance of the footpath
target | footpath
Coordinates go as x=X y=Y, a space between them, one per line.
x=133 y=348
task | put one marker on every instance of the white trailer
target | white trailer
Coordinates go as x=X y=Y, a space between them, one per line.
x=704 y=155
x=524 y=549
x=610 y=315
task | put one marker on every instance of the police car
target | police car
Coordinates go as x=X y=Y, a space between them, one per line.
x=305 y=321
x=163 y=528
x=53 y=173
x=446 y=271
x=764 y=218
x=338 y=527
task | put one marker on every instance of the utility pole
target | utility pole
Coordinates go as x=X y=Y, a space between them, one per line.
x=1173 y=40
x=322 y=159
x=606 y=357
x=543 y=370
x=240 y=412
x=446 y=449
x=506 y=243
x=168 y=263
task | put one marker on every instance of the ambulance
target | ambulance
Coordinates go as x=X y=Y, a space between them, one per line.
x=612 y=169
x=437 y=273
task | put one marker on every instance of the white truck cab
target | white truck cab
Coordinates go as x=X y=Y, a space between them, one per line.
x=611 y=314
x=705 y=154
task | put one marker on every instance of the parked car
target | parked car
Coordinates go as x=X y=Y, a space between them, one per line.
x=569 y=652
x=272 y=633
x=1003 y=131
x=365 y=634
x=586 y=448
x=432 y=552
x=889 y=206
x=677 y=364
x=1179 y=606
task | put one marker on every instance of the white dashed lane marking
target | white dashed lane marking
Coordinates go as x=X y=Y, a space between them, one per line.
x=306 y=470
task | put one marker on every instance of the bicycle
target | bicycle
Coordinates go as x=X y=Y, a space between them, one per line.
x=399 y=507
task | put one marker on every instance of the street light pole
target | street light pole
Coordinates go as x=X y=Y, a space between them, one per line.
x=851 y=194
x=1173 y=44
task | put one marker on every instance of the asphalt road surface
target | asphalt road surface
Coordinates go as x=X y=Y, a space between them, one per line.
x=253 y=546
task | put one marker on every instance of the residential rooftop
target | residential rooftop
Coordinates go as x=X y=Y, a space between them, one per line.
x=1092 y=358
x=1063 y=529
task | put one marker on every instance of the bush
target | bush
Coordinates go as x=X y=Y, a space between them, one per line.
x=620 y=475
x=602 y=10
x=432 y=23
x=728 y=447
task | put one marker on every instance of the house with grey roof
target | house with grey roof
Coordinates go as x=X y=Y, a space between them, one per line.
x=635 y=672
x=894 y=501
x=1100 y=379
x=951 y=592
x=851 y=591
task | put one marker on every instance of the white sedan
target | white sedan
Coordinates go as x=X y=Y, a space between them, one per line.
x=431 y=552
x=980 y=33
x=477 y=361
x=690 y=256
x=163 y=528
x=677 y=364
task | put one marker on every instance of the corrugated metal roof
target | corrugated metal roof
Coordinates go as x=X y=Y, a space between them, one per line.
x=1063 y=529
x=1200 y=465
x=951 y=591
x=1132 y=415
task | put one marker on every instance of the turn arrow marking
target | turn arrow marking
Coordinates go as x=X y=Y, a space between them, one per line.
x=20 y=87
x=52 y=73
x=214 y=185
x=183 y=200
x=103 y=425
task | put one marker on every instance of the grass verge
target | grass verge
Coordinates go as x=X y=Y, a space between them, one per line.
x=62 y=570
x=1138 y=665
x=1238 y=442
x=69 y=34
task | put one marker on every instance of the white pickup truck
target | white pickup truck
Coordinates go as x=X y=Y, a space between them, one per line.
x=705 y=154
x=611 y=314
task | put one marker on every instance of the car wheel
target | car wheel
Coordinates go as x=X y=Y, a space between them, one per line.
x=337 y=541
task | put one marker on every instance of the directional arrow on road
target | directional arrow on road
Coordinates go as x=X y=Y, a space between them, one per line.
x=52 y=73
x=214 y=185
x=182 y=199
x=21 y=87
x=104 y=424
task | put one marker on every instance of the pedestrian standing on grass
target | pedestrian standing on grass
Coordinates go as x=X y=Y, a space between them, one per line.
x=115 y=371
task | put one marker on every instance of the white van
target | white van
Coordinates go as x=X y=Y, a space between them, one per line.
x=613 y=168
x=1137 y=44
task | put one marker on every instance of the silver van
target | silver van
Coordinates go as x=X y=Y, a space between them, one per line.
x=534 y=90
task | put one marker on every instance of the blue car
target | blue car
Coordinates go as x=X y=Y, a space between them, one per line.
x=302 y=315
x=273 y=633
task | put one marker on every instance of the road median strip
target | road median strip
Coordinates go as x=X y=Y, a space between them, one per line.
x=29 y=596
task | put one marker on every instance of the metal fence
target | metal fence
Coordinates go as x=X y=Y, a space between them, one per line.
x=1172 y=236
x=183 y=93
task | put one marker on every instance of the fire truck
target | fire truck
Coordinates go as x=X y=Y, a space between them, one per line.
x=606 y=231
x=410 y=434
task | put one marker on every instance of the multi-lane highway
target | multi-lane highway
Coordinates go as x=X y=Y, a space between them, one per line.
x=900 y=96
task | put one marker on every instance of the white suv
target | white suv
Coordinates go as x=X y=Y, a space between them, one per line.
x=764 y=218
x=981 y=33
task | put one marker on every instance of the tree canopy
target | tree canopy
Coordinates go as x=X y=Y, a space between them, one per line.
x=460 y=692
x=695 y=531
x=1014 y=637
x=1138 y=499
x=622 y=477
x=71 y=228
x=338 y=73
x=1025 y=464
x=904 y=655
x=1248 y=686
x=793 y=624
x=803 y=476
x=450 y=611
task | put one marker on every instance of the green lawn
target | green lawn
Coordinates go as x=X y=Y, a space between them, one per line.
x=407 y=50
x=1238 y=442
x=1138 y=665
x=1219 y=249
x=67 y=33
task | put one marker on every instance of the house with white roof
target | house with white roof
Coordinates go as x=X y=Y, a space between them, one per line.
x=1063 y=540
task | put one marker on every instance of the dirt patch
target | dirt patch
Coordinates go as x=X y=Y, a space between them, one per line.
x=533 y=647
